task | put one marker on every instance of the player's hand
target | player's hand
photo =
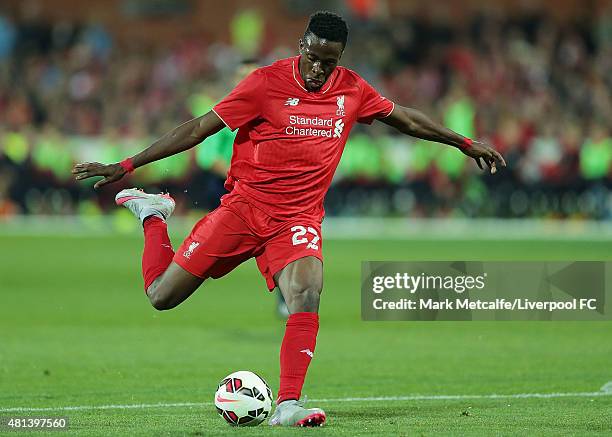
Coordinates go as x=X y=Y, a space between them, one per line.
x=111 y=172
x=479 y=150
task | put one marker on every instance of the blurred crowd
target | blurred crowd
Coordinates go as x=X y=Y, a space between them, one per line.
x=538 y=90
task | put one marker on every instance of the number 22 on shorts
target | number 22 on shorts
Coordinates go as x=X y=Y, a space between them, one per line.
x=301 y=236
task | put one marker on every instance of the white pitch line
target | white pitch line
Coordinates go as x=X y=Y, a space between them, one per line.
x=106 y=407
x=364 y=399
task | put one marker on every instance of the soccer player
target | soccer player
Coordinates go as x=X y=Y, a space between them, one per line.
x=293 y=119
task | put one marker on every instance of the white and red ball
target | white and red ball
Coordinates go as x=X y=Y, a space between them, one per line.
x=243 y=398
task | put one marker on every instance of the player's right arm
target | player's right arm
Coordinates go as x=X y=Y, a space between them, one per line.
x=414 y=123
x=179 y=139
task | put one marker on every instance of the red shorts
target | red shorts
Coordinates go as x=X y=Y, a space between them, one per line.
x=237 y=231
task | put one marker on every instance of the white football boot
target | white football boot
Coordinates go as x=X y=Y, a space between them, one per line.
x=144 y=205
x=293 y=413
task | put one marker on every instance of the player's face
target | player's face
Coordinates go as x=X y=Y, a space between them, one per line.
x=318 y=60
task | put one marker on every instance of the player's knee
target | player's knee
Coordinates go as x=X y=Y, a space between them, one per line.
x=160 y=301
x=304 y=298
x=160 y=304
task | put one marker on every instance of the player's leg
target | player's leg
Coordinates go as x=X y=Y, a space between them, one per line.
x=217 y=244
x=292 y=261
x=301 y=283
x=166 y=284
x=172 y=287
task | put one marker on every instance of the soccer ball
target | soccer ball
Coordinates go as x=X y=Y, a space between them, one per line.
x=243 y=399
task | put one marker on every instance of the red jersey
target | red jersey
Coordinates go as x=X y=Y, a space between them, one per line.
x=289 y=140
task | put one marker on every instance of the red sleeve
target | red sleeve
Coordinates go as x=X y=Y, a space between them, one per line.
x=373 y=105
x=243 y=104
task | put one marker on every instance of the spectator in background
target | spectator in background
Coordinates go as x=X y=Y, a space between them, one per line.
x=8 y=36
x=596 y=154
x=8 y=207
x=247 y=29
x=70 y=92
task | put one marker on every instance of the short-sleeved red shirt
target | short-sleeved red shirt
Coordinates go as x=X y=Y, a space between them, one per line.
x=289 y=140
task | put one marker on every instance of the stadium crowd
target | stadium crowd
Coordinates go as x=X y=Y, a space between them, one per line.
x=539 y=90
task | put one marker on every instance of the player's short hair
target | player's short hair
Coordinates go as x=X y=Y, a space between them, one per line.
x=329 y=26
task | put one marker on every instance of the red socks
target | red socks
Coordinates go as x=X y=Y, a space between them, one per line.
x=158 y=252
x=296 y=352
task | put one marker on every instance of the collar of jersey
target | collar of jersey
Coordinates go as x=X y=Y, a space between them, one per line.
x=298 y=78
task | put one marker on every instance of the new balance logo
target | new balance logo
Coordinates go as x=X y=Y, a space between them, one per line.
x=292 y=101
x=308 y=352
x=192 y=247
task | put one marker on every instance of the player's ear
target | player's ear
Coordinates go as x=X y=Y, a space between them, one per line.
x=301 y=46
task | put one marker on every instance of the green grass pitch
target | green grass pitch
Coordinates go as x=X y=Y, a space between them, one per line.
x=77 y=330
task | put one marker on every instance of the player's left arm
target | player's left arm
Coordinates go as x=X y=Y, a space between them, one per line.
x=414 y=123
